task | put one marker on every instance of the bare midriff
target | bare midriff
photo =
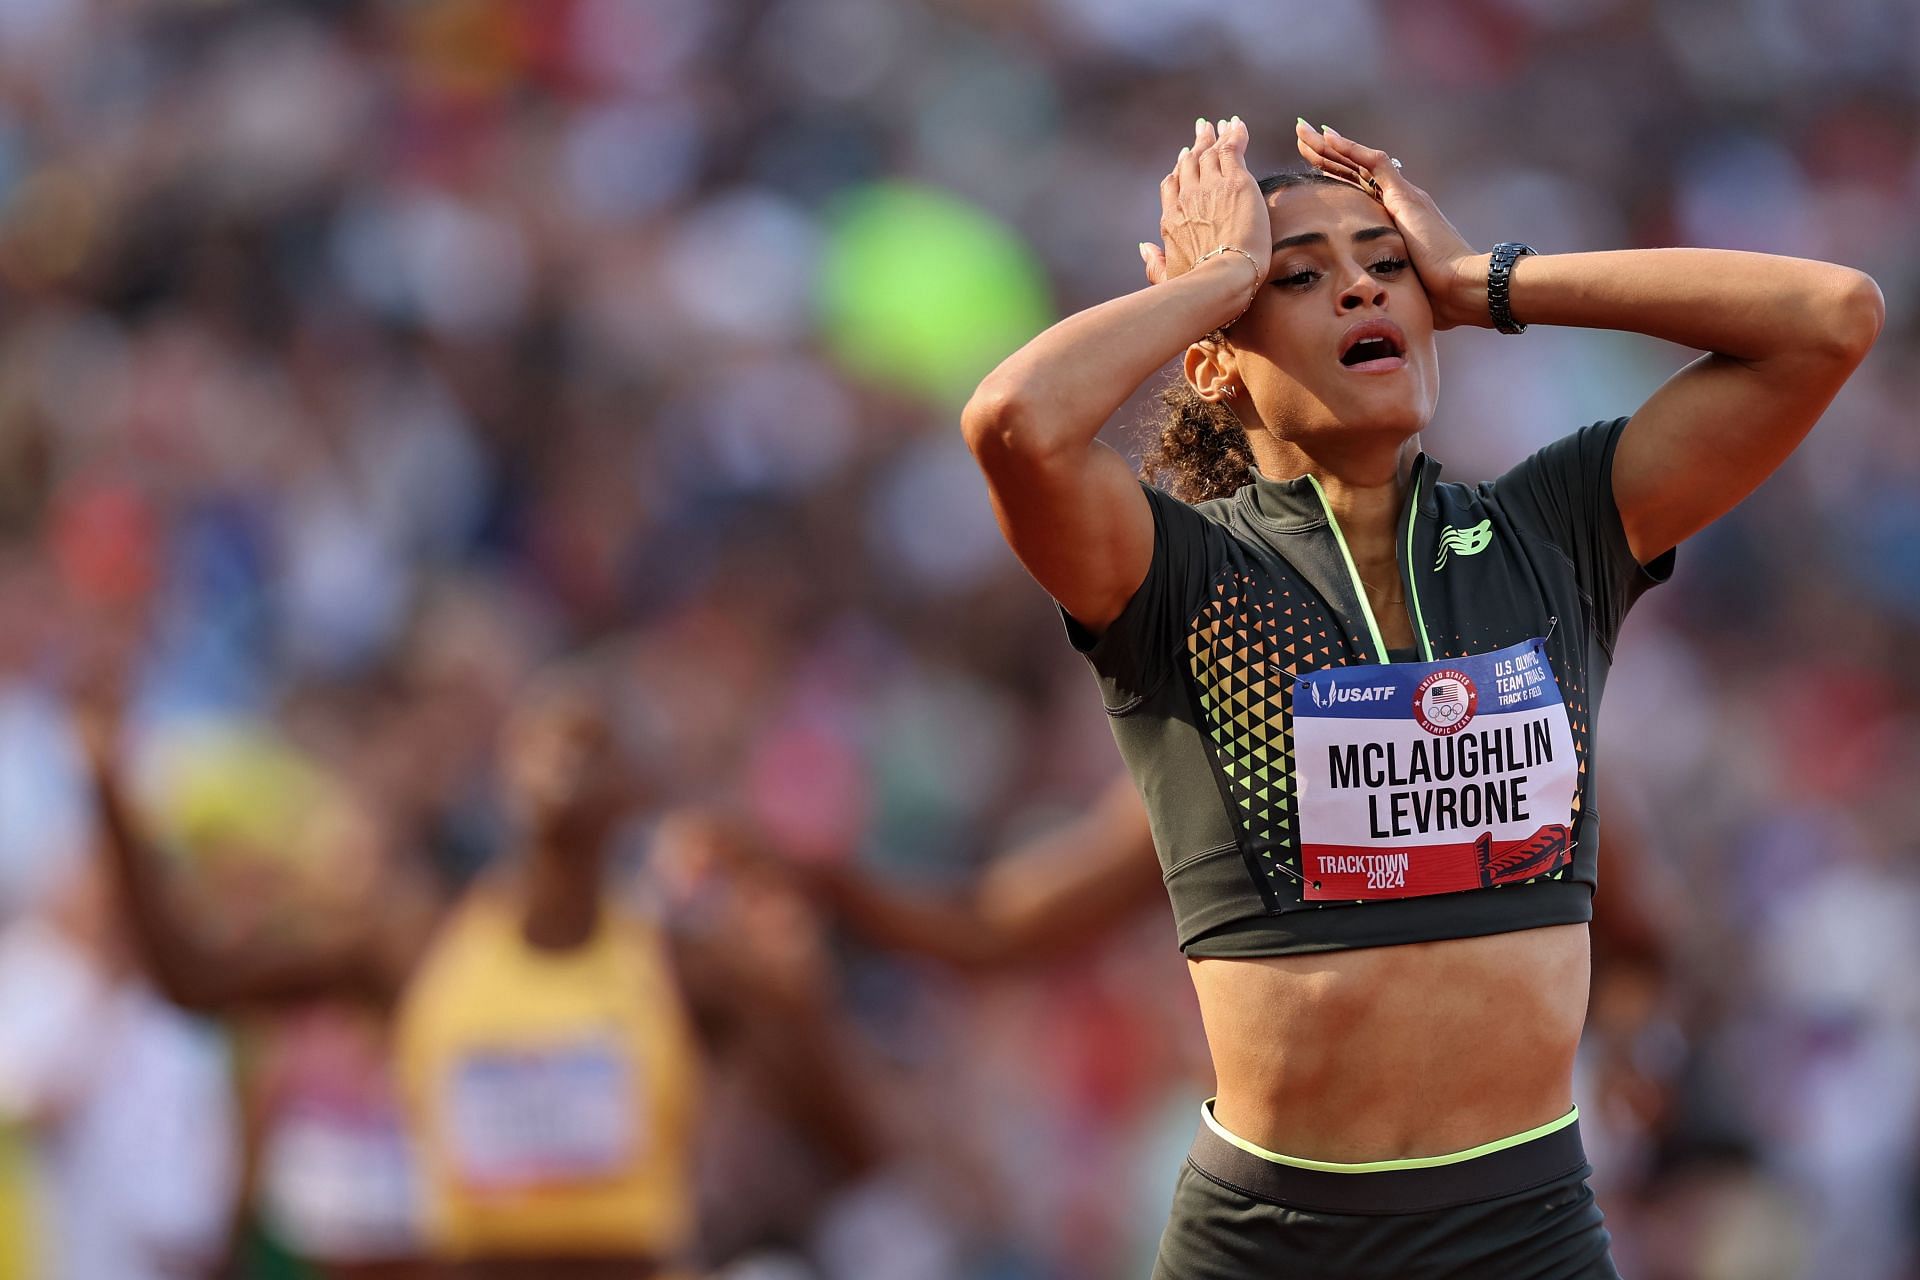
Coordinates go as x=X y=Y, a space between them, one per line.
x=1390 y=1053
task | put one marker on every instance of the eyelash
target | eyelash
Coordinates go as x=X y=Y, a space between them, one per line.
x=1300 y=276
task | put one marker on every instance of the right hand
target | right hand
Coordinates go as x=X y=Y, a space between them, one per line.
x=1210 y=199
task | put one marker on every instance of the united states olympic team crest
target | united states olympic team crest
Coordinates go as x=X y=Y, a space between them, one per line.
x=1444 y=701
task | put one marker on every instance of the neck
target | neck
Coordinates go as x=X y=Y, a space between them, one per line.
x=1365 y=481
x=1365 y=484
x=558 y=888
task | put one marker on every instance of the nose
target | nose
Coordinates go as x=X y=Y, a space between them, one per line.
x=1363 y=288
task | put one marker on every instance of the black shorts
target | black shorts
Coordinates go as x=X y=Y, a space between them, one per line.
x=1519 y=1210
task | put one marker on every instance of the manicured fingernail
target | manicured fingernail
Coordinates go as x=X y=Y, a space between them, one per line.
x=1143 y=248
x=1184 y=151
x=1301 y=120
x=1329 y=129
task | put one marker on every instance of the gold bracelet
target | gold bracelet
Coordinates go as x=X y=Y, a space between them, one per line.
x=1228 y=248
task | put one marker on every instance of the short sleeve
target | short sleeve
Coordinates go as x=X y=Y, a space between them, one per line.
x=1136 y=653
x=1563 y=492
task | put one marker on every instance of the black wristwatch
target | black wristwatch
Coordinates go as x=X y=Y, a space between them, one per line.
x=1499 y=277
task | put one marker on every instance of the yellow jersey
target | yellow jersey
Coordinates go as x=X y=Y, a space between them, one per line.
x=551 y=1094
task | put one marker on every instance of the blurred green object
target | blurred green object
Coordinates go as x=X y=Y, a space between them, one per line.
x=225 y=787
x=261 y=1257
x=18 y=1244
x=922 y=292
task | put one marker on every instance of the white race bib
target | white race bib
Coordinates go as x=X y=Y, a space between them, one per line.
x=1416 y=778
x=560 y=1113
x=341 y=1186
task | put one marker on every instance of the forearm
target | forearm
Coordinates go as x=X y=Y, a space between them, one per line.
x=1752 y=307
x=165 y=945
x=1052 y=896
x=1069 y=380
x=812 y=1069
x=794 y=1044
x=941 y=929
x=219 y=979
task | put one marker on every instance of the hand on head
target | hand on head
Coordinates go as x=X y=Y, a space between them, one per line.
x=1209 y=200
x=1441 y=256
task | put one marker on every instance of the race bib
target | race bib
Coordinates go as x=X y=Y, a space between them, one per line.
x=526 y=1117
x=1415 y=778
x=341 y=1186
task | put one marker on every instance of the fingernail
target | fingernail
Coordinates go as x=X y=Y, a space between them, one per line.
x=1301 y=120
x=1329 y=129
x=1143 y=249
x=1184 y=151
x=1199 y=123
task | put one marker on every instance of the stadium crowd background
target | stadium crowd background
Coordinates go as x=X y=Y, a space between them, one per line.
x=357 y=357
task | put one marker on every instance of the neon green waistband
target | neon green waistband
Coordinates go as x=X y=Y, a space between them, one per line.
x=1384 y=1166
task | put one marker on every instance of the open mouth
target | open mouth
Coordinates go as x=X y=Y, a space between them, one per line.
x=1375 y=345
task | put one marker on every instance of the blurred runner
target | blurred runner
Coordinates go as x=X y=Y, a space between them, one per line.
x=549 y=1040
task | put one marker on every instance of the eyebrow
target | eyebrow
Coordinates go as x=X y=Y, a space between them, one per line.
x=1320 y=237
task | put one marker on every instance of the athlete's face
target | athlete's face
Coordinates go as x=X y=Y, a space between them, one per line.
x=565 y=764
x=1340 y=264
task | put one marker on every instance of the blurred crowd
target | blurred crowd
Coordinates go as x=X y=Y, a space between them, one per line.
x=360 y=358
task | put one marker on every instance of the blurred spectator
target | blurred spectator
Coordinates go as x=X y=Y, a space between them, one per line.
x=127 y=1101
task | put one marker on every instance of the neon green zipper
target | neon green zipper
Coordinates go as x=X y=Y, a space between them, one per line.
x=1413 y=591
x=1360 y=588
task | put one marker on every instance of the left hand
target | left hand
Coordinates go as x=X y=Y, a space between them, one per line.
x=1455 y=276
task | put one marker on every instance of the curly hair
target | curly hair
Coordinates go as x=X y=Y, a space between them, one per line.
x=1198 y=449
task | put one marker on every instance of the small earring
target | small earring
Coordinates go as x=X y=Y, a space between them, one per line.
x=1230 y=391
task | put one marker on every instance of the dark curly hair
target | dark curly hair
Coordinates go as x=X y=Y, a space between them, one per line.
x=1198 y=449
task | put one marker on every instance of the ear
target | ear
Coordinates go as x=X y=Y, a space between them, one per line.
x=1209 y=369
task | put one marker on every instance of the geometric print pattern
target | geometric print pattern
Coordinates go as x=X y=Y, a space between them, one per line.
x=1244 y=648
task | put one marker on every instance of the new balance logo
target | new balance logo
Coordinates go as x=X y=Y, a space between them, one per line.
x=1464 y=542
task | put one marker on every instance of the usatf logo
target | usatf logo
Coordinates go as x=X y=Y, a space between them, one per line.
x=1363 y=693
x=1464 y=542
x=1444 y=701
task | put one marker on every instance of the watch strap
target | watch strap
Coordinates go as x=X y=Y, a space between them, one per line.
x=1499 y=284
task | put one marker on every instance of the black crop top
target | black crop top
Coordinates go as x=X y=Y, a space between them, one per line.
x=1246 y=594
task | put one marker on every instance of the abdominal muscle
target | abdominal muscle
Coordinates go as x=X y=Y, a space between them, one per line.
x=1395 y=1052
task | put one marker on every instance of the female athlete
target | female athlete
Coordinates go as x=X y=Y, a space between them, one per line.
x=1358 y=701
